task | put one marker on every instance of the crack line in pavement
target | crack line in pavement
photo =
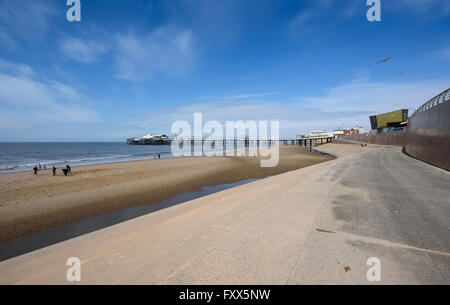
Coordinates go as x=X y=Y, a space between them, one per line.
x=390 y=243
x=326 y=200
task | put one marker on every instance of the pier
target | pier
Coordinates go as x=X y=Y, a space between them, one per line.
x=306 y=142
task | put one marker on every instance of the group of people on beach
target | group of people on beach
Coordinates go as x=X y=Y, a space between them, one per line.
x=66 y=171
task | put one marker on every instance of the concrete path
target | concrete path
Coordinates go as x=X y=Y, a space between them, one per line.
x=375 y=202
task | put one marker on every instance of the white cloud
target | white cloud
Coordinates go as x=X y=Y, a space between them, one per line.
x=24 y=20
x=28 y=102
x=377 y=97
x=17 y=69
x=304 y=17
x=305 y=22
x=69 y=93
x=165 y=51
x=10 y=123
x=6 y=40
x=354 y=8
x=322 y=14
x=244 y=96
x=349 y=104
x=293 y=118
x=436 y=8
x=443 y=54
x=84 y=51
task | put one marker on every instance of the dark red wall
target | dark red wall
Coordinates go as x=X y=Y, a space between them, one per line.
x=427 y=137
x=398 y=139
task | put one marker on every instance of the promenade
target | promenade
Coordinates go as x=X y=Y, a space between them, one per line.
x=316 y=225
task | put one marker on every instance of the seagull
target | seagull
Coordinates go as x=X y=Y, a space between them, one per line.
x=384 y=60
x=399 y=73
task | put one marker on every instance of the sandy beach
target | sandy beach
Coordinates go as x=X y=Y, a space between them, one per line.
x=31 y=204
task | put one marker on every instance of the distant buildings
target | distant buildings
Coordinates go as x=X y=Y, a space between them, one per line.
x=149 y=139
x=345 y=132
x=336 y=133
x=389 y=122
x=394 y=119
x=316 y=135
x=319 y=134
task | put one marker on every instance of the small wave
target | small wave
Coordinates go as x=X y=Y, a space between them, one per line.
x=50 y=163
x=29 y=165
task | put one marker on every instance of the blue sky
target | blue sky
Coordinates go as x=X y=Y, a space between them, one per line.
x=134 y=67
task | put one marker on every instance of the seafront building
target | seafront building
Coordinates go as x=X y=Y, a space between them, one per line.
x=149 y=139
x=345 y=132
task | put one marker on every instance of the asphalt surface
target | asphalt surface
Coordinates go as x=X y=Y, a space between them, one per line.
x=317 y=225
x=382 y=204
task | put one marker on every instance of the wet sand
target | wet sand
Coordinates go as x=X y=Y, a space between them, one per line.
x=31 y=204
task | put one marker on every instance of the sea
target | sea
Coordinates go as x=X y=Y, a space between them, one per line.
x=24 y=156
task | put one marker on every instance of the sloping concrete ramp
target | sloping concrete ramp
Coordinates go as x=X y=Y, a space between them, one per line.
x=317 y=225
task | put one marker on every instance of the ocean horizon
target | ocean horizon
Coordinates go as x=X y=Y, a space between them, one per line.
x=23 y=156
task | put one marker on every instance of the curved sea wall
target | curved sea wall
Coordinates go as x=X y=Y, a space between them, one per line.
x=427 y=137
x=397 y=138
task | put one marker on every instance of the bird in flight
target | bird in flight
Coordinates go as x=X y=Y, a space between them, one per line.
x=399 y=73
x=384 y=60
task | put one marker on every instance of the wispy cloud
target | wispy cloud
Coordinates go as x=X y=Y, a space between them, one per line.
x=245 y=96
x=431 y=8
x=241 y=96
x=84 y=51
x=24 y=20
x=348 y=103
x=322 y=13
x=293 y=118
x=377 y=97
x=165 y=51
x=40 y=100
x=30 y=102
x=16 y=69
x=443 y=54
x=305 y=22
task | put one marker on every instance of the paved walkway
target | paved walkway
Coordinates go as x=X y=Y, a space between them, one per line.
x=377 y=202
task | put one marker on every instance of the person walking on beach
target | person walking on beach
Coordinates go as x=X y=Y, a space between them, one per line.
x=54 y=171
x=159 y=156
x=35 y=170
x=69 y=169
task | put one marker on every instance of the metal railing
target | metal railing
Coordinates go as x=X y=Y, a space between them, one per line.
x=428 y=133
x=435 y=101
